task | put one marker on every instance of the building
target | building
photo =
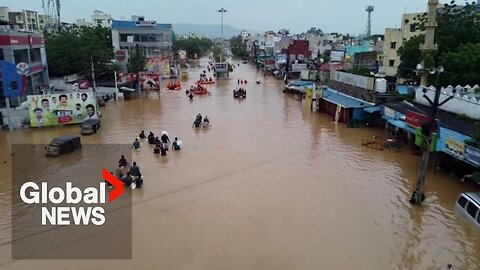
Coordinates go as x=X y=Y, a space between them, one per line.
x=4 y=11
x=82 y=22
x=394 y=39
x=153 y=38
x=27 y=20
x=101 y=19
x=29 y=48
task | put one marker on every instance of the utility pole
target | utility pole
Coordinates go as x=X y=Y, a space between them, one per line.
x=137 y=52
x=288 y=63
x=222 y=10
x=94 y=84
x=428 y=47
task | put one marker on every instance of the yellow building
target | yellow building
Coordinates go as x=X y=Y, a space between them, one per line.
x=394 y=39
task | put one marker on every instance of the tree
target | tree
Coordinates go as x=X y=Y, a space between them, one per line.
x=458 y=39
x=71 y=51
x=193 y=46
x=238 y=47
x=314 y=31
x=284 y=32
x=137 y=62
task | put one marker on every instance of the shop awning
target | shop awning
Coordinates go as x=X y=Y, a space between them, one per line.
x=398 y=123
x=372 y=109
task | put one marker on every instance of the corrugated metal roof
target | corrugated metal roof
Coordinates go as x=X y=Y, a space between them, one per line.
x=344 y=100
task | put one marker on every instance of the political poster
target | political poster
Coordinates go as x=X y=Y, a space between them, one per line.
x=150 y=81
x=160 y=65
x=61 y=109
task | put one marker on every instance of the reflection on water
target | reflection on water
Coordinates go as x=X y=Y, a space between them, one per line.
x=269 y=186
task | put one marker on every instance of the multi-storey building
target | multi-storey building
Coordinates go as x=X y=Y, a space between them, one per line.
x=394 y=39
x=101 y=19
x=153 y=38
x=29 y=48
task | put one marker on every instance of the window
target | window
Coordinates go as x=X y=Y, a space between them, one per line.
x=20 y=56
x=35 y=56
x=393 y=45
x=2 y=57
x=462 y=201
x=391 y=63
x=413 y=27
x=123 y=37
x=472 y=210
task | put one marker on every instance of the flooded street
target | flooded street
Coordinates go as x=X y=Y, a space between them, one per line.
x=270 y=186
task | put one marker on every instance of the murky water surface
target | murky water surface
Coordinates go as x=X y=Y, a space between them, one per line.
x=269 y=186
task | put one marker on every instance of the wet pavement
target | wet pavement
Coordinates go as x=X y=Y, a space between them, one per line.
x=270 y=185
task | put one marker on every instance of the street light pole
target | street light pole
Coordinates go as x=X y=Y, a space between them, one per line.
x=427 y=129
x=222 y=10
x=94 y=86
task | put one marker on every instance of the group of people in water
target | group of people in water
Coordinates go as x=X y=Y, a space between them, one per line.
x=131 y=177
x=161 y=144
x=198 y=121
x=241 y=81
x=198 y=89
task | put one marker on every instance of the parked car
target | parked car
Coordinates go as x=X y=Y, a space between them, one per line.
x=90 y=126
x=63 y=145
x=468 y=204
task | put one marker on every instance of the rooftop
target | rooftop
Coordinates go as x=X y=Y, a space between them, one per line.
x=344 y=100
x=447 y=119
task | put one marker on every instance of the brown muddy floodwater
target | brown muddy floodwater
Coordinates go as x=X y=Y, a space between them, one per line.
x=270 y=186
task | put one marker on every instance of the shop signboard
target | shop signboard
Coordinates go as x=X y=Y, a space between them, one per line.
x=454 y=148
x=354 y=80
x=415 y=119
x=60 y=109
x=472 y=155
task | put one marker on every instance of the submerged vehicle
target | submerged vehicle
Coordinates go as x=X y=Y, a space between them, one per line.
x=240 y=93
x=468 y=204
x=90 y=126
x=63 y=145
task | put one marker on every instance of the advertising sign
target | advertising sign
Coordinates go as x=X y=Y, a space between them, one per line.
x=298 y=67
x=352 y=79
x=160 y=65
x=120 y=56
x=337 y=56
x=12 y=81
x=150 y=81
x=472 y=155
x=145 y=23
x=59 y=109
x=454 y=148
x=414 y=119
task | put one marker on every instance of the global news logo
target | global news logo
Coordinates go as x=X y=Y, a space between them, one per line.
x=73 y=214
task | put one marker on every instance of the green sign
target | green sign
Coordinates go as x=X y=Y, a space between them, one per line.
x=420 y=140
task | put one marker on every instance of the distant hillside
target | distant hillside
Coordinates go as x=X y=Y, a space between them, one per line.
x=208 y=30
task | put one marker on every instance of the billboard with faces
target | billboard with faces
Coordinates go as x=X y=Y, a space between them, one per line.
x=61 y=109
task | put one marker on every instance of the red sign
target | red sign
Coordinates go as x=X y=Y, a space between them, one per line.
x=414 y=119
x=120 y=56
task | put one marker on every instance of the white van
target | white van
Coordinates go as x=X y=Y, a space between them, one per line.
x=468 y=204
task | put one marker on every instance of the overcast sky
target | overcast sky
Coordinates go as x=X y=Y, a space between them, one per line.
x=345 y=16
